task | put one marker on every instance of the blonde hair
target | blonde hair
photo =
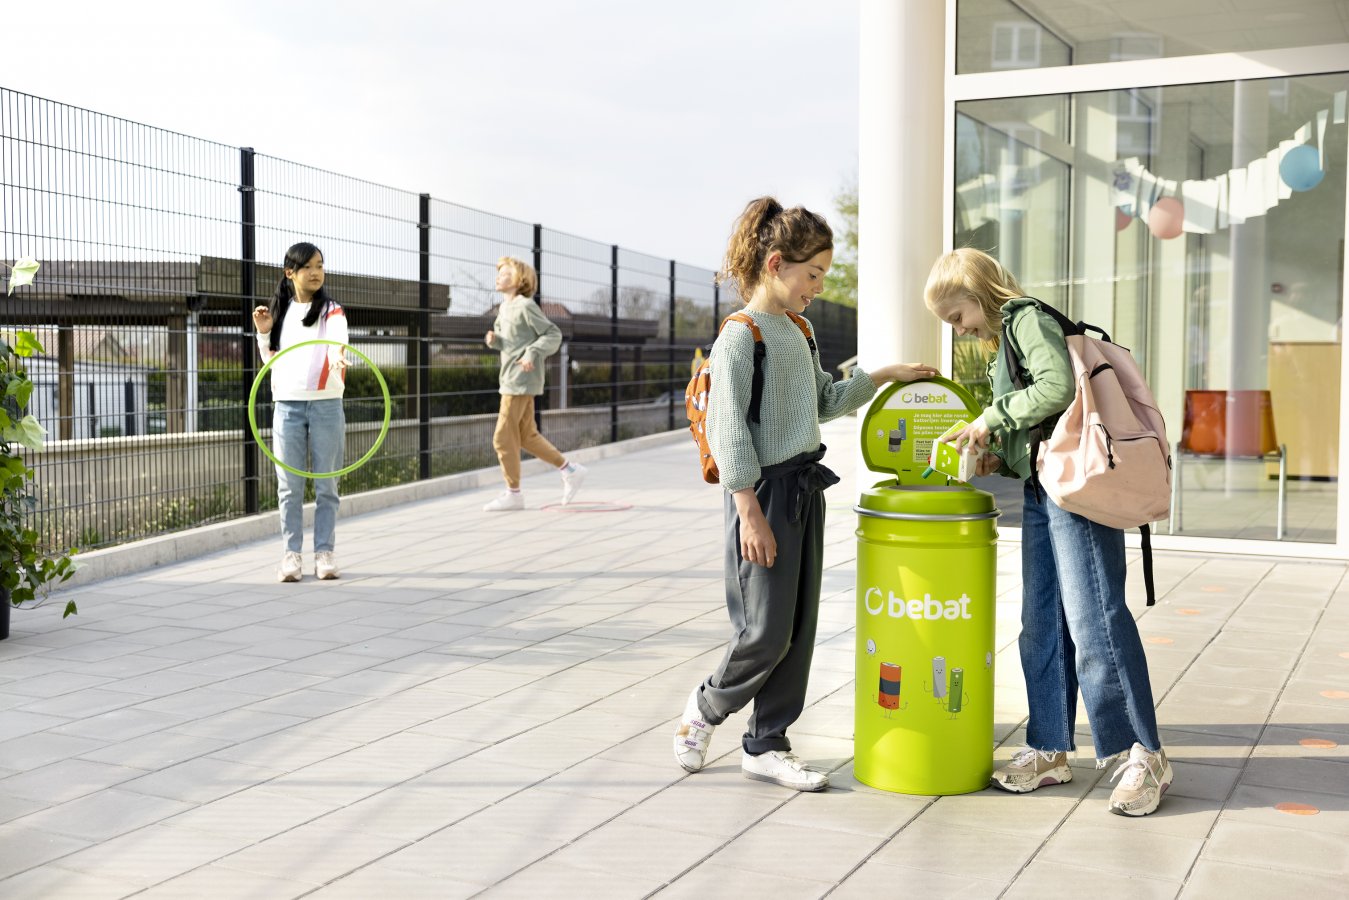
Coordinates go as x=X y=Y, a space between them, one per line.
x=973 y=274
x=764 y=228
x=526 y=279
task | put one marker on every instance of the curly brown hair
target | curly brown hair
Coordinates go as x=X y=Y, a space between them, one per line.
x=764 y=228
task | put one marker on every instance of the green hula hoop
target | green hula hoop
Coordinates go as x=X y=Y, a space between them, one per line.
x=262 y=445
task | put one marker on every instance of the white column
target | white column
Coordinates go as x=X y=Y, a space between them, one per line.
x=901 y=175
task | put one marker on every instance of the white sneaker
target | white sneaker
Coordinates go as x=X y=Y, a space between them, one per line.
x=1147 y=775
x=325 y=566
x=572 y=481
x=692 y=736
x=1031 y=769
x=291 y=568
x=508 y=500
x=784 y=768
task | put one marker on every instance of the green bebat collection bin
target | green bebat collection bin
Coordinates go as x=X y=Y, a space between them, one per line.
x=926 y=563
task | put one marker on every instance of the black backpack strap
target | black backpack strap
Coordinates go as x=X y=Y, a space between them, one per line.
x=1146 y=531
x=760 y=353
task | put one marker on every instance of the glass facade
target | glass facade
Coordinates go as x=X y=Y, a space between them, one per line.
x=996 y=35
x=1203 y=226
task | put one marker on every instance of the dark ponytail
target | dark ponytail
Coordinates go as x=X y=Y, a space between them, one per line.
x=297 y=257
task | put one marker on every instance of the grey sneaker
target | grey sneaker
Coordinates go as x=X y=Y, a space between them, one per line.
x=291 y=567
x=1146 y=776
x=571 y=482
x=325 y=566
x=1031 y=769
x=692 y=736
x=784 y=768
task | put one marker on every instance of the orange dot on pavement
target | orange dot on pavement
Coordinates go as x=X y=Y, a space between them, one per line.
x=1345 y=655
x=1335 y=695
x=1320 y=743
x=1187 y=612
x=1296 y=809
x=1160 y=640
x=1213 y=588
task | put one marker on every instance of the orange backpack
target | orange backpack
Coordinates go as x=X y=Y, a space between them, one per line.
x=700 y=388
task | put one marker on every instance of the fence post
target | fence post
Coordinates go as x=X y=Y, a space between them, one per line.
x=716 y=307
x=538 y=298
x=424 y=345
x=613 y=345
x=670 y=370
x=247 y=275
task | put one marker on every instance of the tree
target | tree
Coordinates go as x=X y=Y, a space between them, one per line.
x=840 y=285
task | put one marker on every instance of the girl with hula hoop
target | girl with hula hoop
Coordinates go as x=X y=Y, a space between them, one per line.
x=308 y=423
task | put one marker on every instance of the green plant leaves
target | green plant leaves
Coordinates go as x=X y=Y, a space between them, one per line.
x=22 y=272
x=26 y=344
x=27 y=431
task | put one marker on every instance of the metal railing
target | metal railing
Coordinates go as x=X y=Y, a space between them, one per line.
x=156 y=246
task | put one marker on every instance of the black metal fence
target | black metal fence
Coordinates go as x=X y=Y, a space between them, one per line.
x=155 y=247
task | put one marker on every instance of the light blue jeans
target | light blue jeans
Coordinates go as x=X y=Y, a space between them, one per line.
x=309 y=435
x=1076 y=632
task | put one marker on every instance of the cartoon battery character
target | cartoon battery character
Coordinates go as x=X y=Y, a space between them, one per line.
x=888 y=698
x=954 y=705
x=939 y=676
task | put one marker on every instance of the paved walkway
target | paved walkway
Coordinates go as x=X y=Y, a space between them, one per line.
x=483 y=706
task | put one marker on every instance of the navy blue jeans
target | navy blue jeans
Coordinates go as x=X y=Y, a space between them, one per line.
x=1077 y=632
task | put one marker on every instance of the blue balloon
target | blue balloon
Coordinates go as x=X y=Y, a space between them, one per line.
x=1301 y=168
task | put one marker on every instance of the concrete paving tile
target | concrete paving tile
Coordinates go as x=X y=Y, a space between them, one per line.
x=704 y=810
x=1303 y=716
x=270 y=682
x=314 y=853
x=481 y=723
x=1210 y=749
x=1317 y=775
x=609 y=779
x=875 y=879
x=49 y=882
x=154 y=751
x=467 y=853
x=54 y=684
x=709 y=880
x=305 y=702
x=850 y=806
x=549 y=876
x=1187 y=817
x=293 y=648
x=797 y=851
x=220 y=881
x=554 y=815
x=432 y=664
x=403 y=812
x=239 y=724
x=1035 y=814
x=79 y=705
x=1308 y=691
x=480 y=779
x=1257 y=805
x=377 y=880
x=1235 y=711
x=42 y=748
x=1211 y=878
x=197 y=702
x=1118 y=851
x=251 y=815
x=1224 y=676
x=285 y=750
x=102 y=815
x=200 y=780
x=1043 y=878
x=149 y=855
x=23 y=848
x=481 y=681
x=375 y=683
x=66 y=780
x=1203 y=782
x=627 y=848
x=1293 y=849
x=964 y=850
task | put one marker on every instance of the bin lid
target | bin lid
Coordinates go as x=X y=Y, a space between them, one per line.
x=932 y=502
x=902 y=422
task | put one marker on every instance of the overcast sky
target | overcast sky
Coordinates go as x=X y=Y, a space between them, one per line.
x=638 y=123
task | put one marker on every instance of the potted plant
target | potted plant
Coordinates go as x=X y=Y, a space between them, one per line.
x=26 y=569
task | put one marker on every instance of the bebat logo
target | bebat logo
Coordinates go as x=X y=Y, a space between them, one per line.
x=920 y=399
x=926 y=608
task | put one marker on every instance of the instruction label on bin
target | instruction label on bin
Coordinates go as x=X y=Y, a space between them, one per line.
x=905 y=421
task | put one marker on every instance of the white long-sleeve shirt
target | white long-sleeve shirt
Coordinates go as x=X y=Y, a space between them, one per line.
x=310 y=373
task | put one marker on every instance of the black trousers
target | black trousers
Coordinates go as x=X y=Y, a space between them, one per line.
x=774 y=611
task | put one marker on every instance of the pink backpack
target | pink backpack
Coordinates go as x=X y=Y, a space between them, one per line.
x=1107 y=458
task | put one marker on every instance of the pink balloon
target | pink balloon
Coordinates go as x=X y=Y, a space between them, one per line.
x=1167 y=218
x=1122 y=219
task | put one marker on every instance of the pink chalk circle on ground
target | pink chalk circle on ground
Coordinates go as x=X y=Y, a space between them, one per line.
x=1166 y=219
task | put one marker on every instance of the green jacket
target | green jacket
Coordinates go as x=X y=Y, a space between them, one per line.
x=1045 y=370
x=523 y=332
